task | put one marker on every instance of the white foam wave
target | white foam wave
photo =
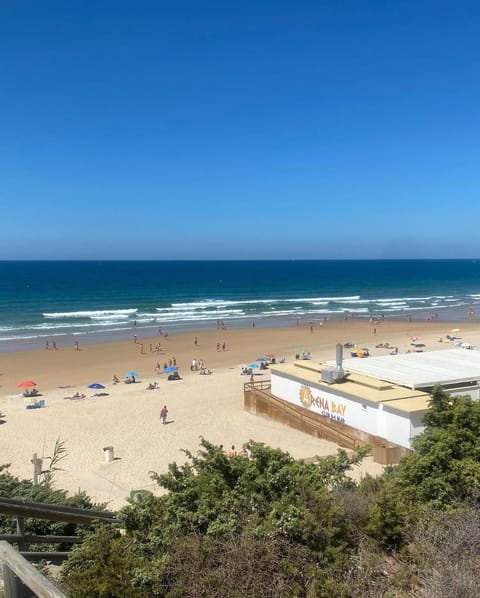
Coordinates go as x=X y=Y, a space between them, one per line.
x=64 y=325
x=90 y=314
x=208 y=303
x=191 y=316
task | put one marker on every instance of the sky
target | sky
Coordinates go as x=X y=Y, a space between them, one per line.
x=239 y=130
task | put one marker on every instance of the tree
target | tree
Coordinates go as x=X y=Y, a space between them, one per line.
x=444 y=468
x=235 y=523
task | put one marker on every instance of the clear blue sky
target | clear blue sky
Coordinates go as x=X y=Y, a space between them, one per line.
x=196 y=129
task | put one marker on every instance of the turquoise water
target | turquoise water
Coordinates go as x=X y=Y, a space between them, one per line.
x=96 y=301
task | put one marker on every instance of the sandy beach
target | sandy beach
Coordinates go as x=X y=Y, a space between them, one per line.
x=210 y=406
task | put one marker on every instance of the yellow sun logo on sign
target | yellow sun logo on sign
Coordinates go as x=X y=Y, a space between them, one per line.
x=305 y=396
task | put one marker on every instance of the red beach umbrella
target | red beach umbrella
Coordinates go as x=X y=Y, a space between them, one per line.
x=26 y=384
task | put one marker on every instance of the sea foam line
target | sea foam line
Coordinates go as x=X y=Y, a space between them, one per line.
x=90 y=314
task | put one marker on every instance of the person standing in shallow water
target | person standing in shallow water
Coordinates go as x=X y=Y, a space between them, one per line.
x=164 y=414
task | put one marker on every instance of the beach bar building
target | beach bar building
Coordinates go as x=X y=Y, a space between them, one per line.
x=379 y=401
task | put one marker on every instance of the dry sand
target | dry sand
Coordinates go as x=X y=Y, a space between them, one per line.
x=209 y=406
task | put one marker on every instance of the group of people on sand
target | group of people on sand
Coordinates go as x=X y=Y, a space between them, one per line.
x=156 y=349
x=199 y=365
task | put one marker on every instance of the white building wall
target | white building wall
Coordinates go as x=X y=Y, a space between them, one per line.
x=398 y=427
x=372 y=418
x=416 y=424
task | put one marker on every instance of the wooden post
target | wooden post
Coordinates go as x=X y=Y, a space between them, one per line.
x=37 y=467
x=21 y=532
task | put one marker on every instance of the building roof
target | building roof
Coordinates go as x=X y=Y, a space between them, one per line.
x=357 y=386
x=420 y=370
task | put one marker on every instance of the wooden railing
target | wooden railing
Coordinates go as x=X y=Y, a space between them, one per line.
x=18 y=573
x=257 y=385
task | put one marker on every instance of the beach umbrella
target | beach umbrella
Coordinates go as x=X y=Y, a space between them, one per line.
x=169 y=369
x=96 y=386
x=253 y=366
x=261 y=359
x=132 y=374
x=270 y=355
x=26 y=384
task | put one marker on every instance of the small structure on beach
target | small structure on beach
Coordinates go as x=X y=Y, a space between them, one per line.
x=378 y=401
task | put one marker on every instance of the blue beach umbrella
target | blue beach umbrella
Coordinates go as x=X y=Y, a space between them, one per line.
x=169 y=369
x=261 y=359
x=96 y=386
x=253 y=366
x=132 y=374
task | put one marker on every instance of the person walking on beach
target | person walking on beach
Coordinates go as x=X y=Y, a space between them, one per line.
x=163 y=414
x=195 y=341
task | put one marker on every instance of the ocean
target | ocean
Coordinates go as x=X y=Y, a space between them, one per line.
x=95 y=301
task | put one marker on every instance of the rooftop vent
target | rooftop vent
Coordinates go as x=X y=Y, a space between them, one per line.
x=329 y=375
x=336 y=374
